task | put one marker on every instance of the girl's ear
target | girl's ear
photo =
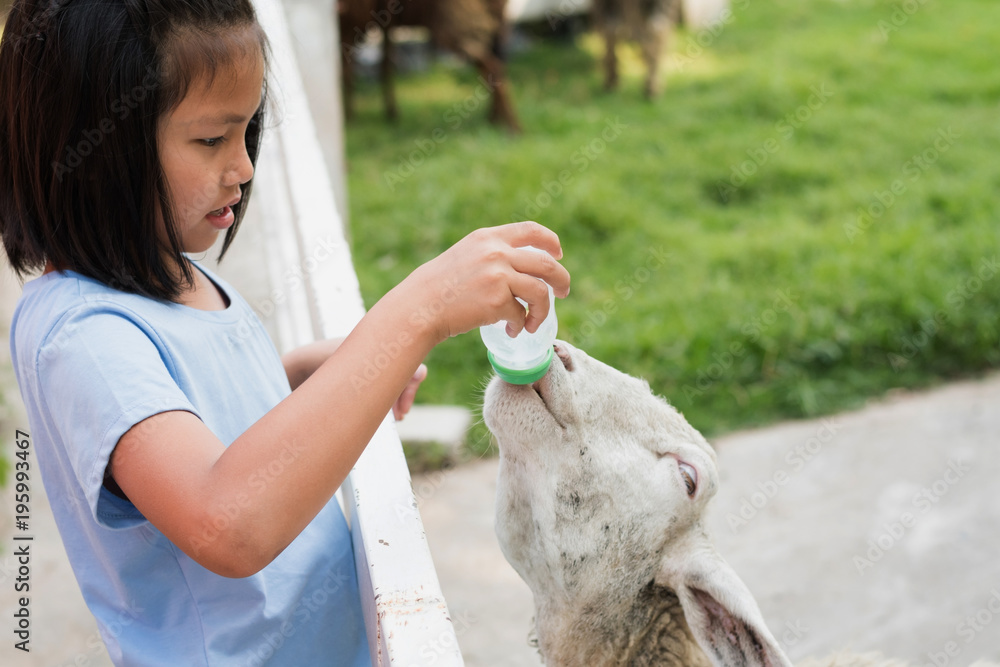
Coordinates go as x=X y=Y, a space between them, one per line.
x=718 y=607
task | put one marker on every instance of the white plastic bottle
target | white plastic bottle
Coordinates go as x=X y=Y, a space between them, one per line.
x=525 y=358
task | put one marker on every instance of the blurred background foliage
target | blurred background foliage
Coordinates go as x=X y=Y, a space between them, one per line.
x=794 y=281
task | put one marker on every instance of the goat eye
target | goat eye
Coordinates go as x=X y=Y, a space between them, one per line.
x=690 y=477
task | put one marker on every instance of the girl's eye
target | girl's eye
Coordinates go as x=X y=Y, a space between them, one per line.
x=212 y=143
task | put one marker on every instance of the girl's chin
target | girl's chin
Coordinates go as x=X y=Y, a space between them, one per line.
x=202 y=244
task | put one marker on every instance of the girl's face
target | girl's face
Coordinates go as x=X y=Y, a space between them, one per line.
x=203 y=153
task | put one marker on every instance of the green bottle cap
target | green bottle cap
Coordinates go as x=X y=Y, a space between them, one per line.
x=521 y=375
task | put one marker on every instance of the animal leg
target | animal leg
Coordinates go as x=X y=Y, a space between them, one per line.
x=502 y=112
x=653 y=38
x=656 y=33
x=610 y=60
x=347 y=82
x=385 y=71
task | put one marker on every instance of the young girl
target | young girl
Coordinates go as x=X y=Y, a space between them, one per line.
x=189 y=467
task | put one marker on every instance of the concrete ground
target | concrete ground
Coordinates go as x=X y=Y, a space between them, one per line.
x=876 y=530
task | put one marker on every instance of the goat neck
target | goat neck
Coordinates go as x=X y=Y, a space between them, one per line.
x=614 y=631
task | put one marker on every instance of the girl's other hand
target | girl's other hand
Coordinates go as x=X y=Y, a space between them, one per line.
x=405 y=400
x=478 y=280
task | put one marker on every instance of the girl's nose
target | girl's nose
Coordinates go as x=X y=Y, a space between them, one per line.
x=240 y=169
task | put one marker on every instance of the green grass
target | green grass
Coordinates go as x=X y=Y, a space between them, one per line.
x=862 y=297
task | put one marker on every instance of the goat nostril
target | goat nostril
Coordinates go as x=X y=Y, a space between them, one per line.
x=564 y=356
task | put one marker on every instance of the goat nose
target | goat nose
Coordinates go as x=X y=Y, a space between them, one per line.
x=564 y=356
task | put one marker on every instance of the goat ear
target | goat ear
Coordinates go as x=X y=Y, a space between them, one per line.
x=719 y=609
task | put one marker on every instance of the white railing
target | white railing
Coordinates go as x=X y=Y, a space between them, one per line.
x=406 y=616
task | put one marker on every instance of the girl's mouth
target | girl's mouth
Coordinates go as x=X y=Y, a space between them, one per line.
x=221 y=218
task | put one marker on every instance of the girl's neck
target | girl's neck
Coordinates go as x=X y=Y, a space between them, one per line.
x=204 y=294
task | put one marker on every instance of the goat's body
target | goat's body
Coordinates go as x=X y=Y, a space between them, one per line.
x=471 y=28
x=648 y=22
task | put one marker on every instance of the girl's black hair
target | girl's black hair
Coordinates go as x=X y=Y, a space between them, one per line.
x=83 y=84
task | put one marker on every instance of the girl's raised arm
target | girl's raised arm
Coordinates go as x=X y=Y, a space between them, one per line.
x=187 y=483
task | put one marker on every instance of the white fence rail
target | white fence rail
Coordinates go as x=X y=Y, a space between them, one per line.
x=406 y=616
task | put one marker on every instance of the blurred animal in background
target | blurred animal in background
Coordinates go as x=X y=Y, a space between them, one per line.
x=474 y=29
x=648 y=22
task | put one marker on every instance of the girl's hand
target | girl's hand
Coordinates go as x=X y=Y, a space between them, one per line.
x=405 y=400
x=476 y=282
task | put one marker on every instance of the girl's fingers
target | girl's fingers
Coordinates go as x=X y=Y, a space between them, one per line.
x=536 y=295
x=543 y=266
x=532 y=271
x=515 y=315
x=531 y=233
x=490 y=266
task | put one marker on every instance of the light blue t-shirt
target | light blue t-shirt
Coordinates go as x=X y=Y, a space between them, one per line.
x=91 y=362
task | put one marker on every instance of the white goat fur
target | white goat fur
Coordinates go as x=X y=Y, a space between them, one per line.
x=593 y=513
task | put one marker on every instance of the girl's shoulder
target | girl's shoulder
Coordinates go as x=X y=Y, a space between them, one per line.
x=54 y=296
x=58 y=302
x=55 y=307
